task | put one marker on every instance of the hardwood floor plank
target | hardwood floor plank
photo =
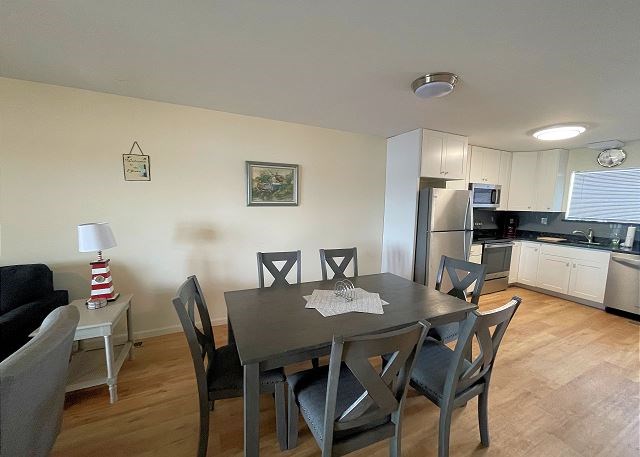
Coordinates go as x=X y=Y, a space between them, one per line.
x=566 y=383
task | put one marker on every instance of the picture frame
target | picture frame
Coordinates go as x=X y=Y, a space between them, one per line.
x=136 y=167
x=271 y=184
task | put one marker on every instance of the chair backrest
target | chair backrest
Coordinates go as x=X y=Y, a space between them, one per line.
x=32 y=386
x=267 y=259
x=328 y=256
x=384 y=391
x=477 y=325
x=189 y=300
x=472 y=272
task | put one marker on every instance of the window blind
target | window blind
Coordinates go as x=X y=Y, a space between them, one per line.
x=605 y=196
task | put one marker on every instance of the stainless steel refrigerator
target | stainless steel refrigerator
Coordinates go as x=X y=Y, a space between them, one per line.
x=445 y=227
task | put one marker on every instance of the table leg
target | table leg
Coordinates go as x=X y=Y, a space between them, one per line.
x=112 y=382
x=251 y=410
x=130 y=332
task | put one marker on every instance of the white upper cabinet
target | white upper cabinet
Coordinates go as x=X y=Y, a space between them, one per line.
x=433 y=150
x=523 y=179
x=552 y=169
x=537 y=180
x=484 y=166
x=455 y=156
x=505 y=179
x=444 y=155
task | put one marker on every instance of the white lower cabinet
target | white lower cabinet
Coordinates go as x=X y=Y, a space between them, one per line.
x=528 y=267
x=515 y=262
x=577 y=272
x=553 y=273
x=588 y=279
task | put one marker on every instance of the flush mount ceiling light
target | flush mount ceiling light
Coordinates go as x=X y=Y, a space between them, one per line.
x=434 y=85
x=559 y=132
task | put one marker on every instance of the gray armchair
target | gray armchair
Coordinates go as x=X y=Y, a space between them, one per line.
x=32 y=385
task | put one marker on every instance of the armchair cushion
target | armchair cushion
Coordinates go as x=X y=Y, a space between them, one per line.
x=17 y=324
x=20 y=284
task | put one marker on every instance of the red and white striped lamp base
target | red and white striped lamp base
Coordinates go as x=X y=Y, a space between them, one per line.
x=101 y=282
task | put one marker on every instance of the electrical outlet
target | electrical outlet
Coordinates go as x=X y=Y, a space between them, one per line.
x=544 y=220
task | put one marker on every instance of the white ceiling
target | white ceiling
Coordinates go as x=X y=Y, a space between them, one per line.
x=349 y=64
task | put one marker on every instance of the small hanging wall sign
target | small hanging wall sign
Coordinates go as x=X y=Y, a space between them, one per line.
x=137 y=167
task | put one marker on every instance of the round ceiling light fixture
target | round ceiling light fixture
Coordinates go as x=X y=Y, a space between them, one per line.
x=559 y=132
x=434 y=85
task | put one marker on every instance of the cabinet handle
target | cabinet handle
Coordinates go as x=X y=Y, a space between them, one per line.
x=567 y=263
x=574 y=265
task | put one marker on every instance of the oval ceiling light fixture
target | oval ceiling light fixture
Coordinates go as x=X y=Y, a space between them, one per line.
x=559 y=132
x=434 y=85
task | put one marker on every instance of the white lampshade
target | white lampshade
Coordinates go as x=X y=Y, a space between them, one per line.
x=95 y=237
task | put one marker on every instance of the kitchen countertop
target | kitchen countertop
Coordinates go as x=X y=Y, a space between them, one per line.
x=572 y=241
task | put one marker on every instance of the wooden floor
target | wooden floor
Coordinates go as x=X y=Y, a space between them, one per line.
x=566 y=383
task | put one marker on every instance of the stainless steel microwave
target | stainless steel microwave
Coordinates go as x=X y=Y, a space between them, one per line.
x=485 y=195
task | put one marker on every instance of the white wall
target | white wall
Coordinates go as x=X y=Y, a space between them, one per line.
x=61 y=165
x=585 y=159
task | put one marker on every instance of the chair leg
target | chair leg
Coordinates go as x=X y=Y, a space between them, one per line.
x=395 y=449
x=203 y=440
x=444 y=431
x=281 y=418
x=293 y=419
x=483 y=417
x=315 y=362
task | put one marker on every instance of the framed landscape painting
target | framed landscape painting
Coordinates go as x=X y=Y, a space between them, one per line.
x=272 y=184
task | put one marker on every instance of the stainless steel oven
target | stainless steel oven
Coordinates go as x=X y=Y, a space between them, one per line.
x=485 y=195
x=496 y=257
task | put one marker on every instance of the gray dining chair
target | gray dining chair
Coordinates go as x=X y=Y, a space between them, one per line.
x=290 y=259
x=449 y=380
x=266 y=260
x=219 y=374
x=461 y=275
x=328 y=256
x=32 y=386
x=349 y=404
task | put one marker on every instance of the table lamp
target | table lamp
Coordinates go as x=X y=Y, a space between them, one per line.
x=95 y=237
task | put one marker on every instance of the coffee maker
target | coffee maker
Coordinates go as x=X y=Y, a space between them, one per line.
x=510 y=226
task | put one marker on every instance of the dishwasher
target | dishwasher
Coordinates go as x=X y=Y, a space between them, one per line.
x=623 y=283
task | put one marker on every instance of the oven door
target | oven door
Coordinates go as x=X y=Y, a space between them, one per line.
x=497 y=259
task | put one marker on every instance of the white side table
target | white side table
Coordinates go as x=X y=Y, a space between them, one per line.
x=87 y=368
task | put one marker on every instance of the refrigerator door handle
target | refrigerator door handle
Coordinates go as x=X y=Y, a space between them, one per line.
x=468 y=215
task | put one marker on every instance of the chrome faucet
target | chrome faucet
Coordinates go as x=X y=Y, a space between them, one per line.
x=588 y=236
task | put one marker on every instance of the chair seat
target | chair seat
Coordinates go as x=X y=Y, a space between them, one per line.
x=310 y=390
x=446 y=332
x=430 y=370
x=226 y=373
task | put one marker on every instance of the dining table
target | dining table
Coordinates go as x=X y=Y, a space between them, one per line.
x=272 y=328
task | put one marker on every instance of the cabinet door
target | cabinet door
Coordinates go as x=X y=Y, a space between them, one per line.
x=433 y=151
x=550 y=180
x=515 y=262
x=505 y=179
x=491 y=166
x=528 y=268
x=455 y=156
x=588 y=280
x=475 y=164
x=522 y=194
x=553 y=273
